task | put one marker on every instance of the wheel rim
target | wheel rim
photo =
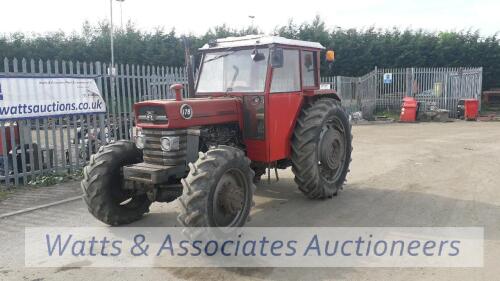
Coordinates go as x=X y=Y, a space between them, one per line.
x=230 y=196
x=332 y=150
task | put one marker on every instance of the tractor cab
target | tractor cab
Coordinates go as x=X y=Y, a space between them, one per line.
x=271 y=76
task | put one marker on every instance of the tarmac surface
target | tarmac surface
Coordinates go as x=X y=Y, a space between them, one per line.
x=427 y=174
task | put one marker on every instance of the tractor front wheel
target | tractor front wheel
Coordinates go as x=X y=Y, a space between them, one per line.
x=321 y=149
x=103 y=185
x=218 y=190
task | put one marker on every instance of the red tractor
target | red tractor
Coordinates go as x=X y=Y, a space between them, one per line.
x=258 y=105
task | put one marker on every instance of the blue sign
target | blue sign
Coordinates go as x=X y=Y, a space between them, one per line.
x=387 y=78
x=1 y=95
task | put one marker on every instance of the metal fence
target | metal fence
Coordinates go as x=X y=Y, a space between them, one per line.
x=65 y=143
x=439 y=87
x=346 y=89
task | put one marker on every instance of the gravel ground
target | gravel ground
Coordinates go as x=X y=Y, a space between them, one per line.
x=23 y=197
x=427 y=174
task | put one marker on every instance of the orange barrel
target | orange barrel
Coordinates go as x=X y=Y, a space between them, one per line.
x=408 y=110
x=471 y=109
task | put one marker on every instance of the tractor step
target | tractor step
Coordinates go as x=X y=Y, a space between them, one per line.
x=150 y=173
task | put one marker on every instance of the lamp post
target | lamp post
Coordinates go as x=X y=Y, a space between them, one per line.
x=112 y=39
x=121 y=12
x=111 y=32
x=112 y=67
x=252 y=18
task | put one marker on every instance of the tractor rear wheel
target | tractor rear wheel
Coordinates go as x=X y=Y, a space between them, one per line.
x=321 y=149
x=218 y=190
x=103 y=184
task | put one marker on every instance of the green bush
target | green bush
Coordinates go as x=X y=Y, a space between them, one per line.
x=358 y=50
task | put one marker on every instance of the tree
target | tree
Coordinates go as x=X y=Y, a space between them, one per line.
x=358 y=51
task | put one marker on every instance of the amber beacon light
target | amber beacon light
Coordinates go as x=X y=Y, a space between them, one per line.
x=330 y=55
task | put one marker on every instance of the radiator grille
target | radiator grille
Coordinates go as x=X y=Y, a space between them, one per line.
x=153 y=153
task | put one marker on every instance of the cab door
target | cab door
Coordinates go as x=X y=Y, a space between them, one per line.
x=284 y=103
x=254 y=128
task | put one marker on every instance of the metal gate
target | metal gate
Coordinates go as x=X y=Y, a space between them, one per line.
x=442 y=87
x=384 y=89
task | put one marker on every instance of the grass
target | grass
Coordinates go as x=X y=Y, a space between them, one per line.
x=388 y=114
x=4 y=193
x=42 y=181
x=53 y=179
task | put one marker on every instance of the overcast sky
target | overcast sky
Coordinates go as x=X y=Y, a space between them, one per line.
x=190 y=16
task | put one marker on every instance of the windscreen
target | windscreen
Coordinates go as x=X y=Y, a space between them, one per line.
x=234 y=71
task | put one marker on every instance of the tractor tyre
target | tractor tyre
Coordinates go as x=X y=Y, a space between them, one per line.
x=259 y=171
x=218 y=190
x=321 y=149
x=103 y=184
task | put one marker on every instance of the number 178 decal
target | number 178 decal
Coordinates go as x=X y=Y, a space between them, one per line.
x=186 y=111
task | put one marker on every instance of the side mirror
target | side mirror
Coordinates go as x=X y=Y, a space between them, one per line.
x=256 y=56
x=277 y=58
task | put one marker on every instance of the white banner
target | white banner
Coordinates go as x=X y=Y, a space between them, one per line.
x=28 y=97
x=255 y=247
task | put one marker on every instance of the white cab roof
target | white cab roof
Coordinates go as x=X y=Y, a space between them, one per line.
x=259 y=40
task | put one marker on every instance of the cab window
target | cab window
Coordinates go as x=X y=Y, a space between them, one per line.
x=309 y=69
x=233 y=71
x=287 y=77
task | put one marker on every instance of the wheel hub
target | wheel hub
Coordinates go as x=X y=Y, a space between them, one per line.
x=332 y=148
x=331 y=152
x=229 y=198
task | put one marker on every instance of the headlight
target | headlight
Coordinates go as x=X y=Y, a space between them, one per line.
x=170 y=143
x=140 y=140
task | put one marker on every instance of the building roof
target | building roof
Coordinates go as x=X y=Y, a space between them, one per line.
x=257 y=40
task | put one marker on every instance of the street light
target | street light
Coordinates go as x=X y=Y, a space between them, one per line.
x=112 y=69
x=121 y=12
x=112 y=33
x=112 y=43
x=252 y=18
